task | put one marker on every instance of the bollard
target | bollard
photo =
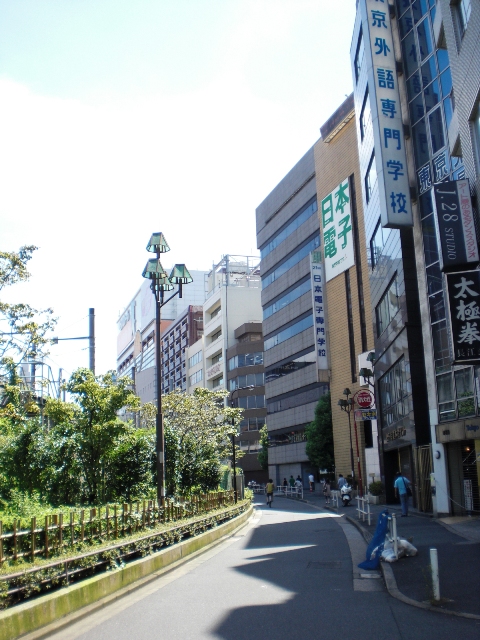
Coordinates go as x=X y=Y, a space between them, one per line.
x=394 y=533
x=435 y=578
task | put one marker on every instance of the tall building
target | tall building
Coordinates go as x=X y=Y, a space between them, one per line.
x=416 y=78
x=246 y=383
x=136 y=334
x=233 y=298
x=347 y=290
x=287 y=232
x=185 y=330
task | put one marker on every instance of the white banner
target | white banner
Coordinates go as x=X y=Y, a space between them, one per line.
x=337 y=232
x=319 y=309
x=390 y=155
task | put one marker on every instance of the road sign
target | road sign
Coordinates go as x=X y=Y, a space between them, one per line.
x=364 y=399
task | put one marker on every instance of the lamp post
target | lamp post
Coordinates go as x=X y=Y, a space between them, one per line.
x=160 y=283
x=347 y=406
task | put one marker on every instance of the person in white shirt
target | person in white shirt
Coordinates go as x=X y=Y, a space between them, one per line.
x=311 y=480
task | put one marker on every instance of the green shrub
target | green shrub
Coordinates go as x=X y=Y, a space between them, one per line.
x=376 y=488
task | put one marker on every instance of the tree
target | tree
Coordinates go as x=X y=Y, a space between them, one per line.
x=23 y=329
x=319 y=433
x=263 y=453
x=198 y=430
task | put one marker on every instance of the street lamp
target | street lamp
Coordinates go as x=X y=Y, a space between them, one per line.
x=160 y=283
x=347 y=406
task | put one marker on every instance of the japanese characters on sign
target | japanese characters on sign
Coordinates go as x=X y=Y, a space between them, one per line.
x=390 y=155
x=337 y=231
x=319 y=309
x=454 y=222
x=365 y=414
x=464 y=302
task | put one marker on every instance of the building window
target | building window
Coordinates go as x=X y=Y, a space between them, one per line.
x=252 y=424
x=249 y=402
x=286 y=299
x=249 y=380
x=387 y=307
x=370 y=177
x=215 y=313
x=289 y=332
x=359 y=56
x=365 y=115
x=215 y=335
x=377 y=242
x=291 y=261
x=196 y=377
x=476 y=132
x=217 y=358
x=195 y=359
x=245 y=360
x=394 y=393
x=464 y=9
x=290 y=367
x=217 y=382
x=299 y=218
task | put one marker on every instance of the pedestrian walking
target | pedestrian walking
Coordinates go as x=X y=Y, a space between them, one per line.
x=402 y=490
x=285 y=485
x=326 y=490
x=269 y=490
x=311 y=480
x=291 y=481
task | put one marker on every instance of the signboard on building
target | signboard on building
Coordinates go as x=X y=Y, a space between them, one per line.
x=365 y=414
x=390 y=155
x=455 y=226
x=336 y=216
x=319 y=309
x=464 y=304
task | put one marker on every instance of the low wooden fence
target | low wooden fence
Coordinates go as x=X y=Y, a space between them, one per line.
x=64 y=570
x=58 y=532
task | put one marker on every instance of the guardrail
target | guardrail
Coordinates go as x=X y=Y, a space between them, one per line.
x=364 y=509
x=290 y=492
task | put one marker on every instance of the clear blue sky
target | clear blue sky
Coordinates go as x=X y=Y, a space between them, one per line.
x=122 y=118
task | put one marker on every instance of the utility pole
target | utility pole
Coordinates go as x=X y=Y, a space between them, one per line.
x=91 y=339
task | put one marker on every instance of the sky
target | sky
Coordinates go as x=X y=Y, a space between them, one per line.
x=121 y=118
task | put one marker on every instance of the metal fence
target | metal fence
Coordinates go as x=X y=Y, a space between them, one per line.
x=60 y=531
x=290 y=492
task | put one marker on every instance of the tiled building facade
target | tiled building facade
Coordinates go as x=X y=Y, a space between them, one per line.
x=349 y=316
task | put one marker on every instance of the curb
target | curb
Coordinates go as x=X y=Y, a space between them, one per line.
x=395 y=592
x=20 y=620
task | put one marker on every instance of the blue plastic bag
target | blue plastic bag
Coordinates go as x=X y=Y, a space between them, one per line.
x=377 y=543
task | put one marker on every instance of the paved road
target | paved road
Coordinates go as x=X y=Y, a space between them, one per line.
x=290 y=574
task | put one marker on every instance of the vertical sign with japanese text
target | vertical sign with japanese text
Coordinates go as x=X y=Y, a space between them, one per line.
x=390 y=155
x=319 y=309
x=457 y=238
x=336 y=219
x=464 y=302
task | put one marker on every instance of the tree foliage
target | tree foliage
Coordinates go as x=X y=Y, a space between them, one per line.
x=198 y=430
x=263 y=453
x=87 y=455
x=319 y=433
x=23 y=329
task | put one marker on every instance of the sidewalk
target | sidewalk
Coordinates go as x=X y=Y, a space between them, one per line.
x=457 y=541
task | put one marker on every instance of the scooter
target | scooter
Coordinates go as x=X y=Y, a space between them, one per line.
x=346 y=493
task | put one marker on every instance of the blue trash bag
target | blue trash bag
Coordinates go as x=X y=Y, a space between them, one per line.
x=377 y=543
